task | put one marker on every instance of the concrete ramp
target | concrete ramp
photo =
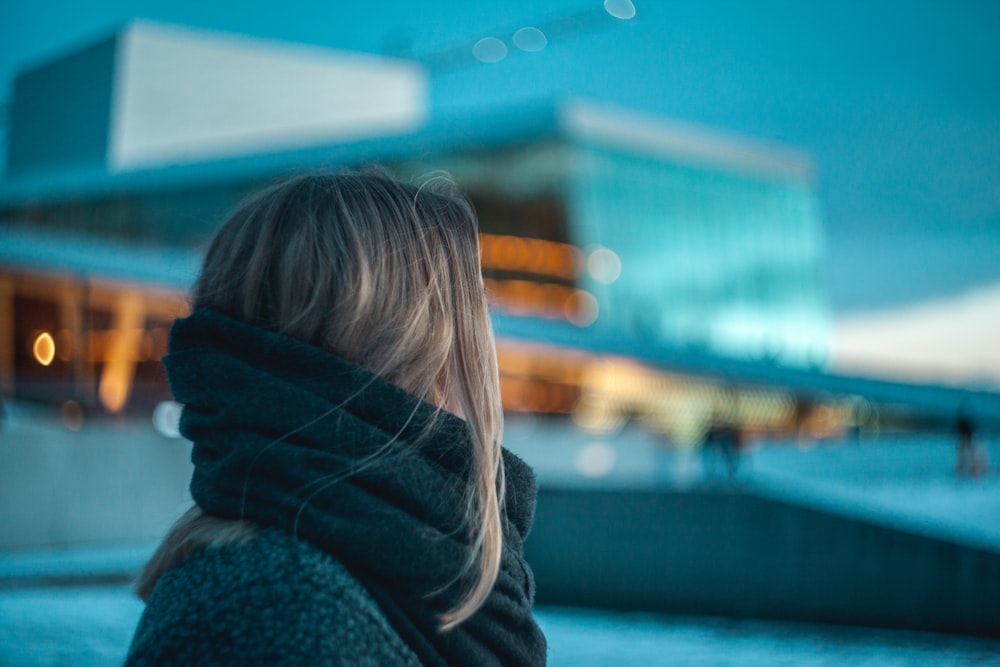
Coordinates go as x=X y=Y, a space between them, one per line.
x=731 y=551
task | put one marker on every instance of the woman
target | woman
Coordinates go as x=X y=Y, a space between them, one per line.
x=352 y=502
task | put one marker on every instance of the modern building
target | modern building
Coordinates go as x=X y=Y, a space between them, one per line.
x=123 y=157
x=650 y=280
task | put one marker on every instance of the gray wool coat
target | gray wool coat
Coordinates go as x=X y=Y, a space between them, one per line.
x=274 y=600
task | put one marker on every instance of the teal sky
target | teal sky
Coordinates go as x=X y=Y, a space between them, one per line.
x=898 y=103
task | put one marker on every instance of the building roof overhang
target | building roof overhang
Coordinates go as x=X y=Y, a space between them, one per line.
x=448 y=131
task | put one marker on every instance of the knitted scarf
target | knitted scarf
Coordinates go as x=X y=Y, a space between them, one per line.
x=289 y=435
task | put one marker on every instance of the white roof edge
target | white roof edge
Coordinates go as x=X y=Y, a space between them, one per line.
x=687 y=141
x=184 y=94
x=272 y=45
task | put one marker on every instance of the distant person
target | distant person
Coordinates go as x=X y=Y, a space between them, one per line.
x=971 y=459
x=732 y=449
x=801 y=415
x=725 y=442
x=340 y=384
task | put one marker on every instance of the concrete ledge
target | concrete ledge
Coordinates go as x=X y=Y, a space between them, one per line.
x=727 y=551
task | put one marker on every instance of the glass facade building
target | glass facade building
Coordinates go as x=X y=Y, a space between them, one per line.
x=684 y=240
x=611 y=224
x=711 y=259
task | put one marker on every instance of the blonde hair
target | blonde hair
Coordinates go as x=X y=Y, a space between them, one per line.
x=384 y=274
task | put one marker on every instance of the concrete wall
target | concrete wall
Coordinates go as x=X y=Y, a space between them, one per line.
x=723 y=552
x=107 y=483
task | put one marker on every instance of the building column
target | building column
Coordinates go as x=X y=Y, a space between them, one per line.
x=6 y=335
x=71 y=306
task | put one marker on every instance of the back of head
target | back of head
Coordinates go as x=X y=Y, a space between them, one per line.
x=384 y=274
x=379 y=272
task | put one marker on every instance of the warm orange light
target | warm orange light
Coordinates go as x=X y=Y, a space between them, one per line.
x=113 y=391
x=549 y=300
x=122 y=351
x=514 y=253
x=64 y=345
x=44 y=348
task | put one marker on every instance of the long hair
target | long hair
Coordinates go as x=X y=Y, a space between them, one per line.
x=384 y=274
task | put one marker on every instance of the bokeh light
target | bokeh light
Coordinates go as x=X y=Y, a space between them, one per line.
x=489 y=50
x=581 y=308
x=71 y=415
x=604 y=266
x=530 y=39
x=167 y=418
x=620 y=9
x=44 y=348
x=596 y=459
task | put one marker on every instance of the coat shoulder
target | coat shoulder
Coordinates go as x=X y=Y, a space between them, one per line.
x=273 y=600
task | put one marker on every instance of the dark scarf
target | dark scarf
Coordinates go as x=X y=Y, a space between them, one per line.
x=277 y=424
